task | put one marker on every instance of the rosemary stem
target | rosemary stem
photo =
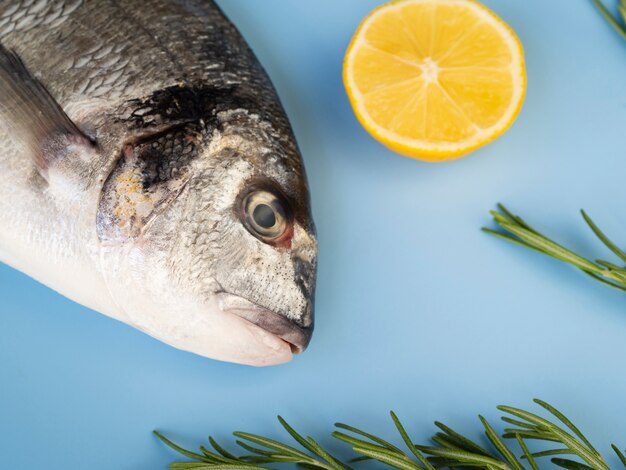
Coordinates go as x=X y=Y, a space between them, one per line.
x=515 y=230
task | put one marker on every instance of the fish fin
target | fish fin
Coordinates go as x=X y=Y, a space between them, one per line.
x=34 y=117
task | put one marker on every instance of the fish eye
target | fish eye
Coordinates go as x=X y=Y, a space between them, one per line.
x=265 y=215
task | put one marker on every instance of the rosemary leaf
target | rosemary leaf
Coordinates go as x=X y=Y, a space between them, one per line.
x=254 y=450
x=604 y=281
x=501 y=446
x=443 y=441
x=571 y=464
x=463 y=458
x=620 y=454
x=516 y=422
x=204 y=466
x=529 y=435
x=389 y=458
x=527 y=455
x=371 y=437
x=622 y=9
x=610 y=18
x=220 y=449
x=317 y=449
x=180 y=450
x=463 y=442
x=272 y=444
x=355 y=442
x=567 y=423
x=600 y=234
x=409 y=443
x=312 y=446
x=546 y=453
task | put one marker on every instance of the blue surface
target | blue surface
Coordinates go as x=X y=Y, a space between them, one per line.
x=417 y=309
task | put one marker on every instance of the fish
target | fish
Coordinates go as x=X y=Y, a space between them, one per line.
x=149 y=172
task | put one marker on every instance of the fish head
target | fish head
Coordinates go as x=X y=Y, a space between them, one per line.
x=207 y=240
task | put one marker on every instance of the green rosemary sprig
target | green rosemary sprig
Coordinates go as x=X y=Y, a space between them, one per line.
x=516 y=230
x=616 y=23
x=572 y=450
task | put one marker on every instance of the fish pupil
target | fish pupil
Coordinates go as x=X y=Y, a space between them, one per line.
x=264 y=216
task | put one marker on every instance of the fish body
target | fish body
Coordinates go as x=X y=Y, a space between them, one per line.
x=150 y=173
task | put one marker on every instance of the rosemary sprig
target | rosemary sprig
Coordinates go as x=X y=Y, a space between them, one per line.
x=572 y=450
x=615 y=22
x=313 y=456
x=516 y=230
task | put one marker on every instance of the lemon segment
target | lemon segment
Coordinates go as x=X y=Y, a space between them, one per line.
x=435 y=79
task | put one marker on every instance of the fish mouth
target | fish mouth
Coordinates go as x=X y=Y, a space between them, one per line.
x=295 y=336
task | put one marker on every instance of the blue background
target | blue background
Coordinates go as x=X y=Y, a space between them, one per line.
x=417 y=309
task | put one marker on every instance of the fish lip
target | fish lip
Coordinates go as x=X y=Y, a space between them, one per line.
x=296 y=336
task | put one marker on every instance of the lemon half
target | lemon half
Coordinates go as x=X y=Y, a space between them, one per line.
x=435 y=79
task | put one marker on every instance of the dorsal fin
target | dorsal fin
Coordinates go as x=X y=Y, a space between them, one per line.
x=33 y=116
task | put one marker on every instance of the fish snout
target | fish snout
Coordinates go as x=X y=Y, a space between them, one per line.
x=296 y=336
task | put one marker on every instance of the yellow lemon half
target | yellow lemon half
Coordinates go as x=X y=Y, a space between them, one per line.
x=435 y=79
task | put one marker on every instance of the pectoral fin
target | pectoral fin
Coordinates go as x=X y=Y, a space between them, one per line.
x=34 y=118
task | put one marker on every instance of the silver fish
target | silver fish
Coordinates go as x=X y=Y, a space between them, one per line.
x=149 y=172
